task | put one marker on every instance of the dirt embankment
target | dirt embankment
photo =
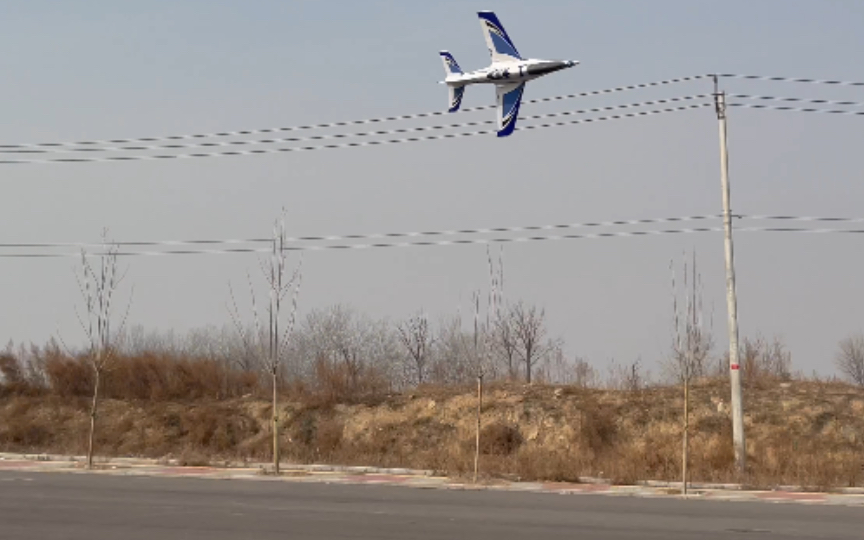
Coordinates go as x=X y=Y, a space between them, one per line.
x=800 y=433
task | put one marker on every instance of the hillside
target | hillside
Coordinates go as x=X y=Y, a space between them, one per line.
x=798 y=432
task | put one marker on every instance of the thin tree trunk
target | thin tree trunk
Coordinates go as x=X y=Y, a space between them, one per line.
x=686 y=449
x=275 y=427
x=477 y=441
x=93 y=418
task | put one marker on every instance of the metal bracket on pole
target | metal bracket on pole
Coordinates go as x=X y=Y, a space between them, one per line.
x=731 y=298
x=719 y=101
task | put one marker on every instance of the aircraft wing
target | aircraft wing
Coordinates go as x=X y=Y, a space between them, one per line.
x=509 y=98
x=501 y=47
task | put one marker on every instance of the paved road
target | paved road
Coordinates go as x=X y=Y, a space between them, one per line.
x=48 y=506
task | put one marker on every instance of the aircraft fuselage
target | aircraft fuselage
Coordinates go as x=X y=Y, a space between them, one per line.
x=511 y=72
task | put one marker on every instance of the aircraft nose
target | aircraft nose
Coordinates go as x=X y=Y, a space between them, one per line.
x=550 y=66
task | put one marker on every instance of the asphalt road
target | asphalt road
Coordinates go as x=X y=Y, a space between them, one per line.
x=48 y=506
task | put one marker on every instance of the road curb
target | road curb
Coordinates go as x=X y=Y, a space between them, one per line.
x=421 y=479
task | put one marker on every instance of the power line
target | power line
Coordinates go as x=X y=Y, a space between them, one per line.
x=345 y=145
x=370 y=236
x=796 y=109
x=804 y=218
x=801 y=100
x=433 y=233
x=790 y=79
x=165 y=138
x=468 y=241
x=348 y=135
x=800 y=230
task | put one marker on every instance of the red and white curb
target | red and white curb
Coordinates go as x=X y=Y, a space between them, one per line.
x=422 y=480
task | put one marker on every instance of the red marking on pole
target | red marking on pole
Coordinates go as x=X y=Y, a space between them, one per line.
x=734 y=366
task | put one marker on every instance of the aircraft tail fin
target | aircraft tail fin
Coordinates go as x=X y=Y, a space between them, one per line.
x=455 y=90
x=450 y=65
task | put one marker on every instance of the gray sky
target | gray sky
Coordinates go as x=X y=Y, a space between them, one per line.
x=100 y=69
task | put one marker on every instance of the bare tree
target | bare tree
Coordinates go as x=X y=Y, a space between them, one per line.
x=416 y=336
x=692 y=343
x=505 y=342
x=451 y=360
x=764 y=360
x=690 y=349
x=97 y=286
x=273 y=350
x=345 y=337
x=483 y=359
x=584 y=375
x=850 y=359
x=559 y=369
x=529 y=329
x=381 y=346
x=479 y=371
x=350 y=353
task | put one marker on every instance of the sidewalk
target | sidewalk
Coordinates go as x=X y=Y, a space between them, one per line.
x=417 y=479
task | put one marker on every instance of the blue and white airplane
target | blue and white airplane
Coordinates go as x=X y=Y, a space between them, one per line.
x=508 y=71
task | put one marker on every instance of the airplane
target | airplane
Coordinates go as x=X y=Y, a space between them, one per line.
x=508 y=71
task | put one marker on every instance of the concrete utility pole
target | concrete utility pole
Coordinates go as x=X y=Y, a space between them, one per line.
x=732 y=302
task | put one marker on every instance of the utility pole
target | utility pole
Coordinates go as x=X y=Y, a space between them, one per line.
x=732 y=302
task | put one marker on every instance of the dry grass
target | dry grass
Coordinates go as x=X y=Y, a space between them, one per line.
x=799 y=432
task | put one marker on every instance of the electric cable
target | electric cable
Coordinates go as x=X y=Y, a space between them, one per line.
x=368 y=236
x=835 y=219
x=348 y=135
x=110 y=159
x=800 y=100
x=467 y=241
x=165 y=138
x=796 y=109
x=789 y=79
x=432 y=233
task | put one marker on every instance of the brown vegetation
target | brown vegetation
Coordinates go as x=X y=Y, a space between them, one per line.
x=850 y=359
x=203 y=410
